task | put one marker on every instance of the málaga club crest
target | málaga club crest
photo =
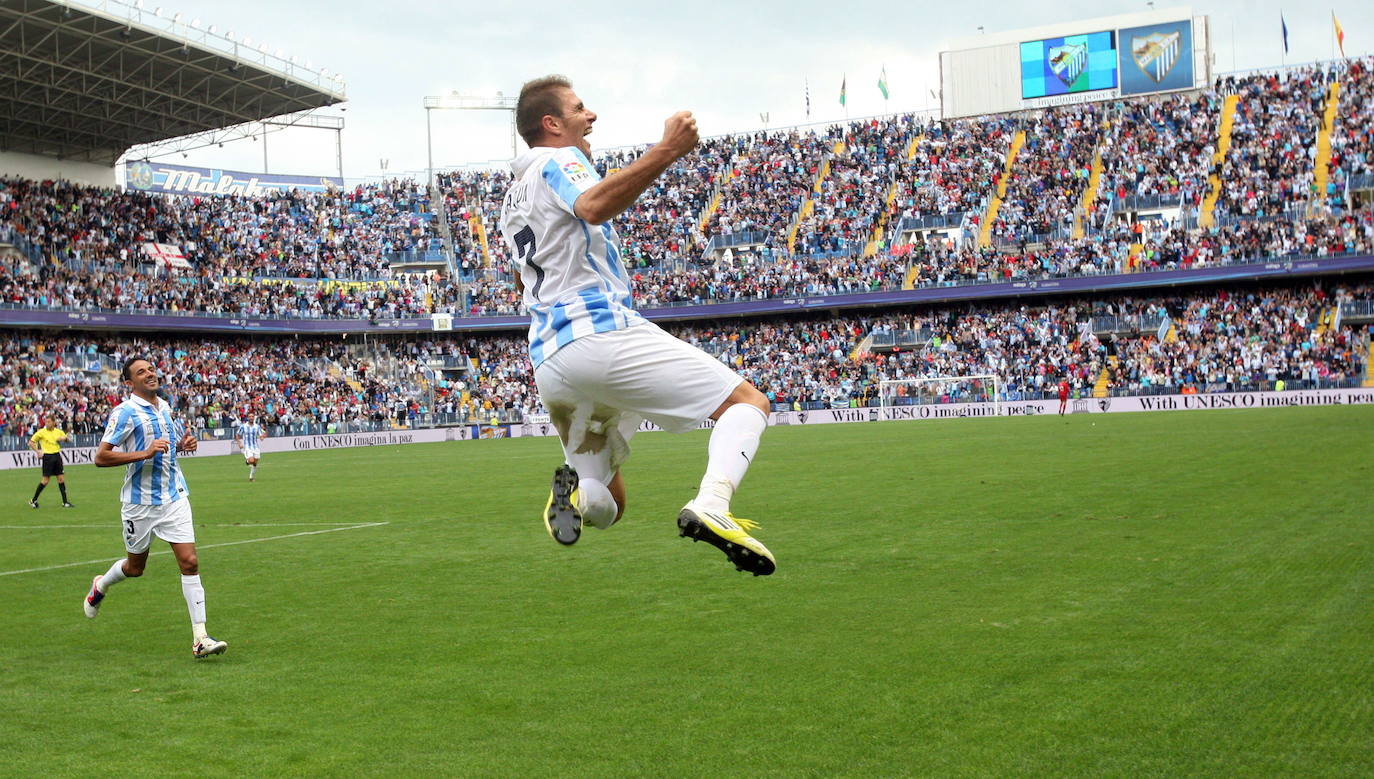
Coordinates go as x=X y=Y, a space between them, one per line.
x=1155 y=54
x=1068 y=61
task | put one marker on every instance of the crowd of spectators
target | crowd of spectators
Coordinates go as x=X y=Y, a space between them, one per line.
x=771 y=180
x=1159 y=150
x=266 y=256
x=1352 y=136
x=852 y=197
x=1050 y=173
x=955 y=165
x=1242 y=338
x=1268 y=168
x=347 y=233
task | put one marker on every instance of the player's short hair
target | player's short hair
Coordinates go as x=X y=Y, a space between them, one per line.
x=538 y=98
x=124 y=372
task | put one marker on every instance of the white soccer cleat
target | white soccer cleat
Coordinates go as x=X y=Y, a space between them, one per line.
x=208 y=646
x=91 y=603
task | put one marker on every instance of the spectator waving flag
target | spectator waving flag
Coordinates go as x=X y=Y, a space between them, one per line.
x=1340 y=34
x=843 y=80
x=882 y=82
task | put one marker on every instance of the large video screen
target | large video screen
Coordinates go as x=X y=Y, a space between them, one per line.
x=1073 y=63
x=1157 y=58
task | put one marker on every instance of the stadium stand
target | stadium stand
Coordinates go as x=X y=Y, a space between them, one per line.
x=1220 y=340
x=1258 y=172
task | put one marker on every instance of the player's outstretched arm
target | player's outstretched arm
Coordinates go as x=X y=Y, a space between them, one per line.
x=618 y=191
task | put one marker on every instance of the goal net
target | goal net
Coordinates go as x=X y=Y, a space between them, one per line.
x=935 y=390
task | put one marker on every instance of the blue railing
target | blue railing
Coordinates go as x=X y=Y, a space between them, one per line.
x=1132 y=203
x=930 y=221
x=26 y=247
x=414 y=256
x=1142 y=323
x=731 y=240
x=1358 y=182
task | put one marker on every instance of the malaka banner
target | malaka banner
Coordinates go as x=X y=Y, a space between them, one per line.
x=185 y=180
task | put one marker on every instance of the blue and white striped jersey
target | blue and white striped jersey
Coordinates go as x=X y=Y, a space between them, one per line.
x=134 y=425
x=249 y=433
x=575 y=283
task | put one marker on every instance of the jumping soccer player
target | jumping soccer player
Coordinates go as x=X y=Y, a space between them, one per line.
x=154 y=495
x=247 y=437
x=600 y=367
x=47 y=441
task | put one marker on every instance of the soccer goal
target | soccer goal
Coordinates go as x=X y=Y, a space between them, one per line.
x=985 y=388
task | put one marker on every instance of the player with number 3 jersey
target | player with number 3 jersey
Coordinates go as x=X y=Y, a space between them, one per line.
x=154 y=496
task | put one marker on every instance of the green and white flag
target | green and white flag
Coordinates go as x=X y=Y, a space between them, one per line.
x=842 y=83
x=882 y=82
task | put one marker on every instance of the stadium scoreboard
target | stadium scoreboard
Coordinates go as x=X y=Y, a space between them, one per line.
x=1076 y=62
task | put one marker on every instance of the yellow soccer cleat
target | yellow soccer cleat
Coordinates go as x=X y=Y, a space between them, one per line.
x=729 y=534
x=561 y=517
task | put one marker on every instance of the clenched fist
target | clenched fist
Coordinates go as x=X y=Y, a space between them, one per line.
x=680 y=133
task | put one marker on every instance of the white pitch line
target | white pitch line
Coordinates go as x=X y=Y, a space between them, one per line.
x=198 y=547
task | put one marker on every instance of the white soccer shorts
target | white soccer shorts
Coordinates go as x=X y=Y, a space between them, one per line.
x=252 y=454
x=171 y=522
x=599 y=388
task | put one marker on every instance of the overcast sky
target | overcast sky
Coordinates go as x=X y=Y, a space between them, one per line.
x=636 y=63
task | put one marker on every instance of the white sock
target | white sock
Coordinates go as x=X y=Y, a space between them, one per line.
x=195 y=602
x=252 y=469
x=596 y=504
x=734 y=441
x=112 y=577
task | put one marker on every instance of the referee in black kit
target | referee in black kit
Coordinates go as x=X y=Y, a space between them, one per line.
x=47 y=441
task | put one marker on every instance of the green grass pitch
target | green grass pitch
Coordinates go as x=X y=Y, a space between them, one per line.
x=1127 y=594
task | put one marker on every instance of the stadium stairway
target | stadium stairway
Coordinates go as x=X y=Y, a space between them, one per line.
x=912 y=272
x=1207 y=218
x=1080 y=215
x=1326 y=320
x=995 y=205
x=880 y=226
x=480 y=230
x=809 y=205
x=1103 y=384
x=441 y=221
x=1369 y=367
x=713 y=202
x=861 y=350
x=1321 y=171
x=913 y=146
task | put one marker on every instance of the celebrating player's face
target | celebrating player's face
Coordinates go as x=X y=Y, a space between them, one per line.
x=577 y=121
x=143 y=377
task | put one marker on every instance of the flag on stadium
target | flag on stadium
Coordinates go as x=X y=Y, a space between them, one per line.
x=843 y=80
x=807 y=82
x=1340 y=34
x=166 y=254
x=1284 y=25
x=882 y=82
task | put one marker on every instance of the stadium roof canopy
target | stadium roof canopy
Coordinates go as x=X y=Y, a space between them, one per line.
x=86 y=82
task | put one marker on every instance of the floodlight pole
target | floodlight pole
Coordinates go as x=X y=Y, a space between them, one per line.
x=460 y=101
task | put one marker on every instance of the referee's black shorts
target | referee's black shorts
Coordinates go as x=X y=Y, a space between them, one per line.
x=52 y=464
